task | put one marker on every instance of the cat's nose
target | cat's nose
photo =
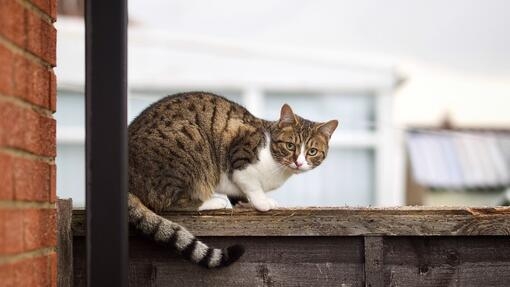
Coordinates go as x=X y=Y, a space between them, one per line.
x=298 y=164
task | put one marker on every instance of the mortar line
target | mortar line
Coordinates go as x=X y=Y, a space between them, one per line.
x=21 y=51
x=26 y=105
x=10 y=204
x=38 y=11
x=27 y=155
x=6 y=259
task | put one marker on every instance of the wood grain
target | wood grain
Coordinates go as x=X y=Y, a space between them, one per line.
x=374 y=257
x=407 y=246
x=447 y=261
x=269 y=261
x=64 y=243
x=402 y=221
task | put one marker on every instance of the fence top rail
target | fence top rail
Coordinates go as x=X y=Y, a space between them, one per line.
x=338 y=221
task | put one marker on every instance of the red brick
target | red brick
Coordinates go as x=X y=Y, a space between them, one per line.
x=53 y=183
x=6 y=177
x=41 y=38
x=25 y=179
x=8 y=275
x=11 y=231
x=31 y=82
x=25 y=79
x=28 y=272
x=27 y=230
x=6 y=70
x=31 y=130
x=53 y=261
x=53 y=9
x=32 y=180
x=12 y=22
x=39 y=228
x=28 y=130
x=49 y=7
x=28 y=30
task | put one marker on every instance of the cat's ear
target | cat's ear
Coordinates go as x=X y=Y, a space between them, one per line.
x=328 y=128
x=287 y=117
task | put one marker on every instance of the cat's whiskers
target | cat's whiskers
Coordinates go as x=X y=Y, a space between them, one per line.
x=277 y=169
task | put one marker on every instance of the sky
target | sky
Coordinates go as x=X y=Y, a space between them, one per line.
x=470 y=36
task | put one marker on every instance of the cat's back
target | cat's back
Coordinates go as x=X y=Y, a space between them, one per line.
x=212 y=113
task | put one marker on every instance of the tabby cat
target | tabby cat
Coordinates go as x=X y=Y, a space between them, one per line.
x=187 y=147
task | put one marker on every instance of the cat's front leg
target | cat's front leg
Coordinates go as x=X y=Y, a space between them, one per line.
x=217 y=201
x=251 y=187
x=265 y=205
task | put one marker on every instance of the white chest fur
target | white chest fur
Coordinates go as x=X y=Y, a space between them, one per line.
x=266 y=174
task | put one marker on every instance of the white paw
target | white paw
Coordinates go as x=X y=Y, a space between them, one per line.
x=273 y=203
x=263 y=204
x=215 y=203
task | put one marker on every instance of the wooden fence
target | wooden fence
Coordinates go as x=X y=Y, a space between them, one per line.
x=407 y=246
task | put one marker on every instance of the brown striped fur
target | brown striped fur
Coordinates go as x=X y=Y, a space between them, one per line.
x=180 y=146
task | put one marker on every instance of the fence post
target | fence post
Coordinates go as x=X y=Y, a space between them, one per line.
x=64 y=243
x=374 y=269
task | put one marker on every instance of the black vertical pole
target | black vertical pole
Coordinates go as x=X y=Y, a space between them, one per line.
x=106 y=142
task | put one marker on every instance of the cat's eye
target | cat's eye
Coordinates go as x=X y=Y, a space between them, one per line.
x=312 y=151
x=291 y=146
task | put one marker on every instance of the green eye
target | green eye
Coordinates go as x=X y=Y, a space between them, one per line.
x=291 y=146
x=312 y=151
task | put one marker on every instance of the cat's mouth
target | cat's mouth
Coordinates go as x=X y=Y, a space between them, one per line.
x=297 y=169
x=294 y=168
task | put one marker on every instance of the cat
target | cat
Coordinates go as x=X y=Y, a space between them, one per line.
x=187 y=147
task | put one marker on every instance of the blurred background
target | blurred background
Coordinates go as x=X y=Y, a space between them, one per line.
x=421 y=88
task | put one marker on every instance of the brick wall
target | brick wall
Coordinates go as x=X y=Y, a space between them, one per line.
x=27 y=143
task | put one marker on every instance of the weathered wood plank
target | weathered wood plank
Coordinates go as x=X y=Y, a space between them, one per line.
x=466 y=275
x=268 y=261
x=402 y=221
x=446 y=261
x=261 y=274
x=272 y=249
x=374 y=273
x=319 y=247
x=80 y=262
x=64 y=243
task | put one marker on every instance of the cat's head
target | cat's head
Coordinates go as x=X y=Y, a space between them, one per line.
x=300 y=144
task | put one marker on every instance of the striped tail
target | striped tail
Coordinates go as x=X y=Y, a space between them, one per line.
x=170 y=233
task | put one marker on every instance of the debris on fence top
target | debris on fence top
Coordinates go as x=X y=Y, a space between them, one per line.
x=344 y=221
